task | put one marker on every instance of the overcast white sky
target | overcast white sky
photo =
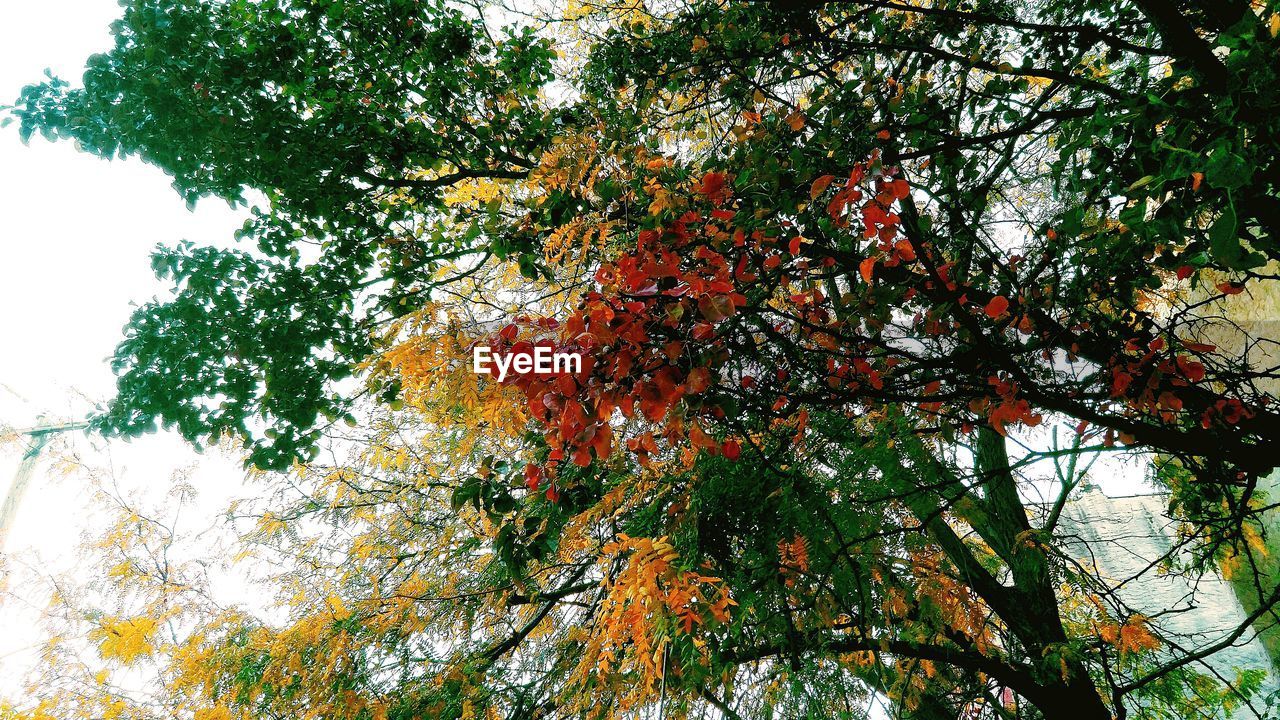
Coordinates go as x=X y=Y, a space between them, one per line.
x=75 y=231
x=75 y=238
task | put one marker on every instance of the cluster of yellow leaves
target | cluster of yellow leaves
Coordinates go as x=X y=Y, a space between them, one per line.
x=648 y=601
x=434 y=365
x=959 y=608
x=588 y=239
x=476 y=191
x=1130 y=638
x=1235 y=558
x=570 y=165
x=311 y=656
x=618 y=12
x=663 y=198
x=125 y=639
x=912 y=680
x=42 y=711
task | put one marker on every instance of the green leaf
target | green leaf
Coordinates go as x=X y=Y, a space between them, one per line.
x=1227 y=170
x=1141 y=182
x=1224 y=244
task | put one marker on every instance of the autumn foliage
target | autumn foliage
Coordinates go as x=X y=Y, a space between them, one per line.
x=862 y=292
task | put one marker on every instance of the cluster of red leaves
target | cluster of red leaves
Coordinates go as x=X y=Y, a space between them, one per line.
x=651 y=332
x=1226 y=411
x=655 y=311
x=879 y=222
x=656 y=351
x=1147 y=378
x=1007 y=407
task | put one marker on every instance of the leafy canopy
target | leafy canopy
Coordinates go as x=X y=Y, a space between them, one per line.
x=842 y=275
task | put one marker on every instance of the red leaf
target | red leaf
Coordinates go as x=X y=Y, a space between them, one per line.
x=699 y=379
x=1199 y=347
x=712 y=187
x=1190 y=369
x=794 y=246
x=998 y=306
x=703 y=331
x=731 y=449
x=710 y=310
x=1185 y=272
x=566 y=385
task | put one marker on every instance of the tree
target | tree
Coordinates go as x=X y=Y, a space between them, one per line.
x=825 y=264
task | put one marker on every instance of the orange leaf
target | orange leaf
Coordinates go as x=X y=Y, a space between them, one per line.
x=905 y=251
x=866 y=268
x=819 y=186
x=796 y=121
x=1198 y=347
x=998 y=306
x=700 y=439
x=699 y=379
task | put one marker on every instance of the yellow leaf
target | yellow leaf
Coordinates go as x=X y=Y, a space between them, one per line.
x=1255 y=541
x=125 y=639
